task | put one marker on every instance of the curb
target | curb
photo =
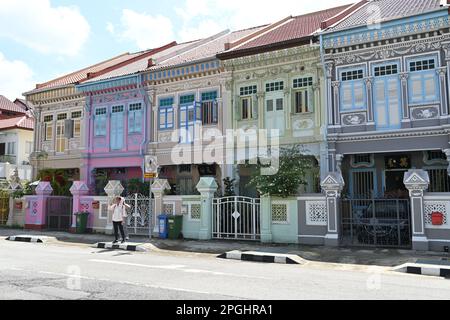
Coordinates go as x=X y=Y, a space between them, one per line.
x=29 y=239
x=125 y=247
x=424 y=270
x=262 y=257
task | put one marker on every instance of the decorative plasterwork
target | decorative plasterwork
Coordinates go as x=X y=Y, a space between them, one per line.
x=404 y=29
x=272 y=58
x=378 y=136
x=389 y=51
x=189 y=85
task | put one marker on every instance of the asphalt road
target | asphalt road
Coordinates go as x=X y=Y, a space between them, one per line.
x=75 y=271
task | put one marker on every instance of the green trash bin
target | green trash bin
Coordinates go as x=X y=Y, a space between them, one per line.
x=82 y=220
x=175 y=227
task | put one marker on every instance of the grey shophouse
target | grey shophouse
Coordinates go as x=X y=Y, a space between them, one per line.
x=388 y=122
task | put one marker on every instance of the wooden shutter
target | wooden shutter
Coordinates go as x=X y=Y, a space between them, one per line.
x=68 y=128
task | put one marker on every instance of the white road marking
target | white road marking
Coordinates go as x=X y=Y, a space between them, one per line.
x=179 y=268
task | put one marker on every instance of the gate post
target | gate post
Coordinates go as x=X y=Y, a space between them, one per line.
x=159 y=186
x=37 y=213
x=113 y=189
x=78 y=189
x=333 y=185
x=266 y=219
x=207 y=188
x=417 y=181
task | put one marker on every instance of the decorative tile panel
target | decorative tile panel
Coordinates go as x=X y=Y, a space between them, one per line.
x=169 y=209
x=354 y=119
x=316 y=213
x=425 y=113
x=437 y=206
x=195 y=211
x=280 y=213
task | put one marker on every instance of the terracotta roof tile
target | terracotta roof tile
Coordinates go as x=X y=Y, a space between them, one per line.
x=298 y=27
x=7 y=105
x=19 y=123
x=388 y=10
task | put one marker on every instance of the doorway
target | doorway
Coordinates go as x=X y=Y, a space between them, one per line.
x=394 y=187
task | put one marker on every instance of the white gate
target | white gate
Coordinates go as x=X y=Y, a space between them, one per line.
x=236 y=218
x=139 y=220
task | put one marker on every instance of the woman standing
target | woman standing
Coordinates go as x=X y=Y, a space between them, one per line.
x=119 y=209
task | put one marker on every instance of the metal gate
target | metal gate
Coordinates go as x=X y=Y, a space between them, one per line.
x=139 y=220
x=236 y=218
x=4 y=209
x=376 y=223
x=59 y=213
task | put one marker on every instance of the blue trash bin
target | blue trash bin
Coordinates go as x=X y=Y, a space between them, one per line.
x=163 y=226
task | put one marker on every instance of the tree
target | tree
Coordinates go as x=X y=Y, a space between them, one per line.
x=293 y=166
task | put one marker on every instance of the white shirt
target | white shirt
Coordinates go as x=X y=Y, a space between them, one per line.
x=119 y=212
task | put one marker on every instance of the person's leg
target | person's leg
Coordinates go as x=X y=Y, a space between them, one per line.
x=116 y=230
x=122 y=232
x=125 y=228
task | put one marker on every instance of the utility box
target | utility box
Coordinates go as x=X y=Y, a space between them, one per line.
x=163 y=228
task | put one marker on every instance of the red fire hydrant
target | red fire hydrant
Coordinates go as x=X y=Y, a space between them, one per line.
x=437 y=218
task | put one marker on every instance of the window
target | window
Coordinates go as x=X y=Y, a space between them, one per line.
x=166 y=113
x=117 y=127
x=386 y=70
x=48 y=127
x=246 y=108
x=423 y=81
x=185 y=168
x=436 y=156
x=303 y=82
x=28 y=147
x=11 y=149
x=353 y=95
x=76 y=117
x=247 y=91
x=189 y=99
x=302 y=101
x=274 y=86
x=135 y=118
x=209 y=108
x=100 y=122
x=61 y=133
x=439 y=180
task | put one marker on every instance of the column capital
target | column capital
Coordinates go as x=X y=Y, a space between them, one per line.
x=442 y=71
x=160 y=185
x=79 y=188
x=403 y=76
x=329 y=65
x=416 y=181
x=333 y=184
x=44 y=188
x=336 y=84
x=114 y=188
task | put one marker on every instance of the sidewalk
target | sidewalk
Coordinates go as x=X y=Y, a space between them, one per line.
x=354 y=256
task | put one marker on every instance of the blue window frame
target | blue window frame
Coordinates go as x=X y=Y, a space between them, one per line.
x=135 y=117
x=423 y=82
x=166 y=114
x=190 y=115
x=117 y=126
x=100 y=122
x=209 y=108
x=387 y=96
x=353 y=90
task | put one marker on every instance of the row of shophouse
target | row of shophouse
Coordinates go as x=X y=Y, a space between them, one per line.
x=364 y=89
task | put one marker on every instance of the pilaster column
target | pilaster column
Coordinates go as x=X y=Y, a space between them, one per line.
x=446 y=48
x=261 y=109
x=369 y=89
x=447 y=153
x=266 y=219
x=333 y=186
x=417 y=181
x=78 y=190
x=36 y=217
x=336 y=102
x=288 y=107
x=404 y=94
x=159 y=186
x=442 y=73
x=207 y=188
x=329 y=66
x=113 y=189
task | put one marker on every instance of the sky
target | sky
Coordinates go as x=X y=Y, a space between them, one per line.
x=44 y=39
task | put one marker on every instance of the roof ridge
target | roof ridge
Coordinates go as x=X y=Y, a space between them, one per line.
x=343 y=14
